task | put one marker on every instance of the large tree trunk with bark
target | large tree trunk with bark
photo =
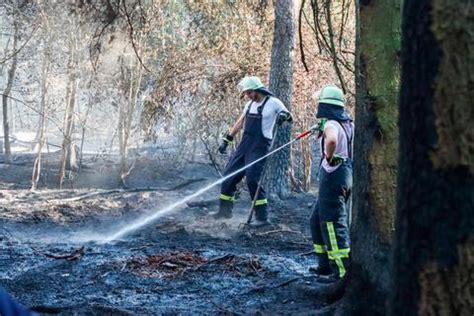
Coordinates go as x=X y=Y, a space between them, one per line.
x=375 y=153
x=6 y=94
x=281 y=83
x=434 y=255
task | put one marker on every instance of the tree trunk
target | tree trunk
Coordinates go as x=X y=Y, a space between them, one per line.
x=127 y=110
x=6 y=94
x=375 y=153
x=41 y=133
x=67 y=150
x=83 y=123
x=281 y=83
x=434 y=254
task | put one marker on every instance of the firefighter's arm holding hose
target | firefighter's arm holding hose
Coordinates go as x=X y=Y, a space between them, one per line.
x=229 y=137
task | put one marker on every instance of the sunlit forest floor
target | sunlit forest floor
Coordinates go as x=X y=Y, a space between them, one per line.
x=53 y=260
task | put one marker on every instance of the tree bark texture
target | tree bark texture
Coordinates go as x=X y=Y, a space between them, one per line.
x=434 y=254
x=375 y=153
x=6 y=94
x=281 y=83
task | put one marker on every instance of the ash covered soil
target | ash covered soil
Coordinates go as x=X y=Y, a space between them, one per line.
x=53 y=258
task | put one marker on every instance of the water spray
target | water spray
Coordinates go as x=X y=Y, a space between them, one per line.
x=136 y=225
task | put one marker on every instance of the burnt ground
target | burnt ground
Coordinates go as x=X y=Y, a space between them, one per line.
x=53 y=260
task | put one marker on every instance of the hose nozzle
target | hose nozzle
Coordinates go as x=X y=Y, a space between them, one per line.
x=314 y=128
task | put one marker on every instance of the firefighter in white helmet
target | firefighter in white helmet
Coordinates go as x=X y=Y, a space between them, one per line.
x=259 y=116
x=329 y=221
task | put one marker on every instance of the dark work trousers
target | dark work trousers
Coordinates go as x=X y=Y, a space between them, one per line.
x=253 y=146
x=329 y=221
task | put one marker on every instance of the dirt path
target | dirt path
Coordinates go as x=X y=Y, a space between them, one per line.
x=183 y=263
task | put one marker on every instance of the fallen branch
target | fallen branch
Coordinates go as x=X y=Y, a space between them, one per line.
x=124 y=266
x=285 y=283
x=309 y=253
x=93 y=194
x=278 y=231
x=165 y=265
x=206 y=203
x=255 y=265
x=186 y=183
x=222 y=258
x=304 y=244
x=263 y=288
x=88 y=195
x=76 y=254
x=142 y=247
x=194 y=269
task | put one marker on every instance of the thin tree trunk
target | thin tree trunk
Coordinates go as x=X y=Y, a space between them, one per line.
x=281 y=83
x=83 y=134
x=127 y=111
x=41 y=133
x=83 y=122
x=434 y=252
x=375 y=154
x=122 y=145
x=6 y=94
x=69 y=113
x=307 y=164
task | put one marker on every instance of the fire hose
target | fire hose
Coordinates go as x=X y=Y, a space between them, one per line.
x=130 y=227
x=302 y=135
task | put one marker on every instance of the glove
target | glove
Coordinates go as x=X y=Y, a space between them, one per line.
x=284 y=117
x=226 y=140
x=335 y=160
x=318 y=127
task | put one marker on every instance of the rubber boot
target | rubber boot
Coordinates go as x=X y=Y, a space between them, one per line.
x=322 y=267
x=336 y=274
x=261 y=216
x=225 y=210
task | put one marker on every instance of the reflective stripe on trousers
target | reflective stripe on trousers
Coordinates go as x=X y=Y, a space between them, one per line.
x=329 y=220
